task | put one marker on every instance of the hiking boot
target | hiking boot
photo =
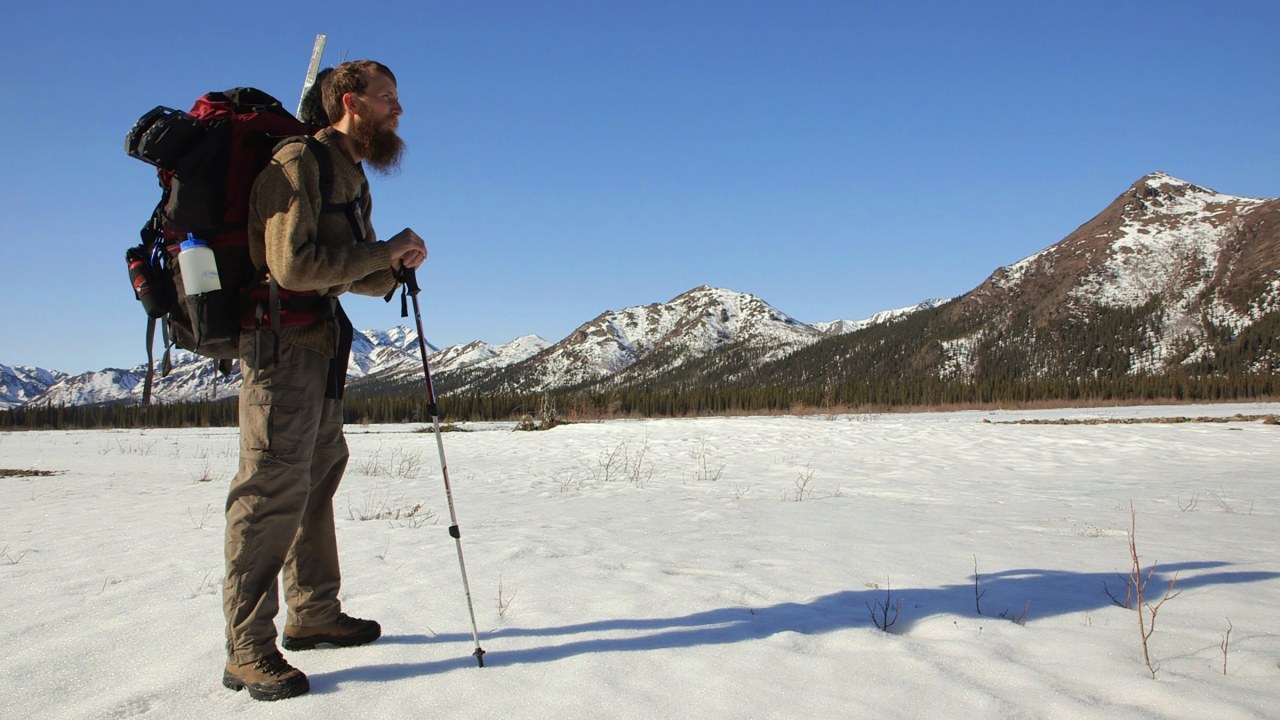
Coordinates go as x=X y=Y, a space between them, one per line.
x=345 y=631
x=267 y=678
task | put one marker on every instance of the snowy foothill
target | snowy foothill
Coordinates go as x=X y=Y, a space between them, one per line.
x=962 y=565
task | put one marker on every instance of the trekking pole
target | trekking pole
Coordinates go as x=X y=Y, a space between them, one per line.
x=410 y=279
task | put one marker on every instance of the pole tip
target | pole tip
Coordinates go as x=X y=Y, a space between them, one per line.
x=479 y=655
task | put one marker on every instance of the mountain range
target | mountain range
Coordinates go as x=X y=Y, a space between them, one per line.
x=1170 y=275
x=697 y=321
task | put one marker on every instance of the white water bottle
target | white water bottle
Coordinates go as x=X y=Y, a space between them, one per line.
x=199 y=270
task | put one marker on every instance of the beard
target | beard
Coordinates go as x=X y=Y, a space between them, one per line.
x=379 y=145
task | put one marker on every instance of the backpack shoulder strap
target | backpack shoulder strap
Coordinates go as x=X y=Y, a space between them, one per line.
x=322 y=160
x=354 y=209
x=321 y=154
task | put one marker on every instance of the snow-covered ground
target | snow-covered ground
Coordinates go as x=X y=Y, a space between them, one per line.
x=710 y=568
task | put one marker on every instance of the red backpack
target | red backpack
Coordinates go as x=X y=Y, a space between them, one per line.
x=206 y=161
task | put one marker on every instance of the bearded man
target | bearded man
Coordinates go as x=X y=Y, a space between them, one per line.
x=313 y=238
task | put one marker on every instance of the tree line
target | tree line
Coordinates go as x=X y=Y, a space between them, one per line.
x=667 y=401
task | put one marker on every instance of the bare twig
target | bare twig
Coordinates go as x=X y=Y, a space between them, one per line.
x=11 y=559
x=706 y=469
x=204 y=517
x=885 y=613
x=1127 y=603
x=1022 y=616
x=635 y=467
x=204 y=588
x=503 y=601
x=611 y=462
x=977 y=596
x=1146 y=626
x=1222 y=503
x=1226 y=644
x=802 y=490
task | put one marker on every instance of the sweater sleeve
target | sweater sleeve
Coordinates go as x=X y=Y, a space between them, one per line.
x=381 y=281
x=286 y=198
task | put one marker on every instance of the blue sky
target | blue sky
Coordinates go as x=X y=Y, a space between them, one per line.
x=570 y=157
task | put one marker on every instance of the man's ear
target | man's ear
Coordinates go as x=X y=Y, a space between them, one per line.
x=350 y=103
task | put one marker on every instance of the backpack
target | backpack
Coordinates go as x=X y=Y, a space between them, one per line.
x=206 y=161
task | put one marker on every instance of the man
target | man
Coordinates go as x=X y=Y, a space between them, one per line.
x=292 y=448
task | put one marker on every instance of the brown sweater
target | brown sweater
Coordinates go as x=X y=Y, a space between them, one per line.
x=305 y=249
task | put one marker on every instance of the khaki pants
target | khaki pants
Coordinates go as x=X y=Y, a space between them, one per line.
x=280 y=507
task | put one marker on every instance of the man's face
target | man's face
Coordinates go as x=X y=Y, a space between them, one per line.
x=380 y=101
x=376 y=119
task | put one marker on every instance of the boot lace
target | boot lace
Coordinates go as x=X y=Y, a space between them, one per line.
x=274 y=665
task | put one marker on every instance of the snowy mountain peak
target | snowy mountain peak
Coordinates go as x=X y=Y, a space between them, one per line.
x=842 y=327
x=1187 y=250
x=1159 y=178
x=689 y=326
x=1161 y=194
x=474 y=355
x=19 y=384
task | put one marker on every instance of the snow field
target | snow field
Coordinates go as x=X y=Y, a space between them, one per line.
x=722 y=567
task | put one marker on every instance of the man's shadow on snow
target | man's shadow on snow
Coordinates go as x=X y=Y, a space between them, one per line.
x=1027 y=595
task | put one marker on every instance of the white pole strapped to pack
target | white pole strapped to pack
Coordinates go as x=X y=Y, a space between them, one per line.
x=317 y=52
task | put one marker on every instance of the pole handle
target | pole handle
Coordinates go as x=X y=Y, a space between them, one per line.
x=409 y=277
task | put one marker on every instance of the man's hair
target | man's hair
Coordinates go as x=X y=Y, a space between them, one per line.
x=349 y=77
x=313 y=112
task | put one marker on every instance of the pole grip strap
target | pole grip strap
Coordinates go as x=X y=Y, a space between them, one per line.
x=408 y=280
x=409 y=277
